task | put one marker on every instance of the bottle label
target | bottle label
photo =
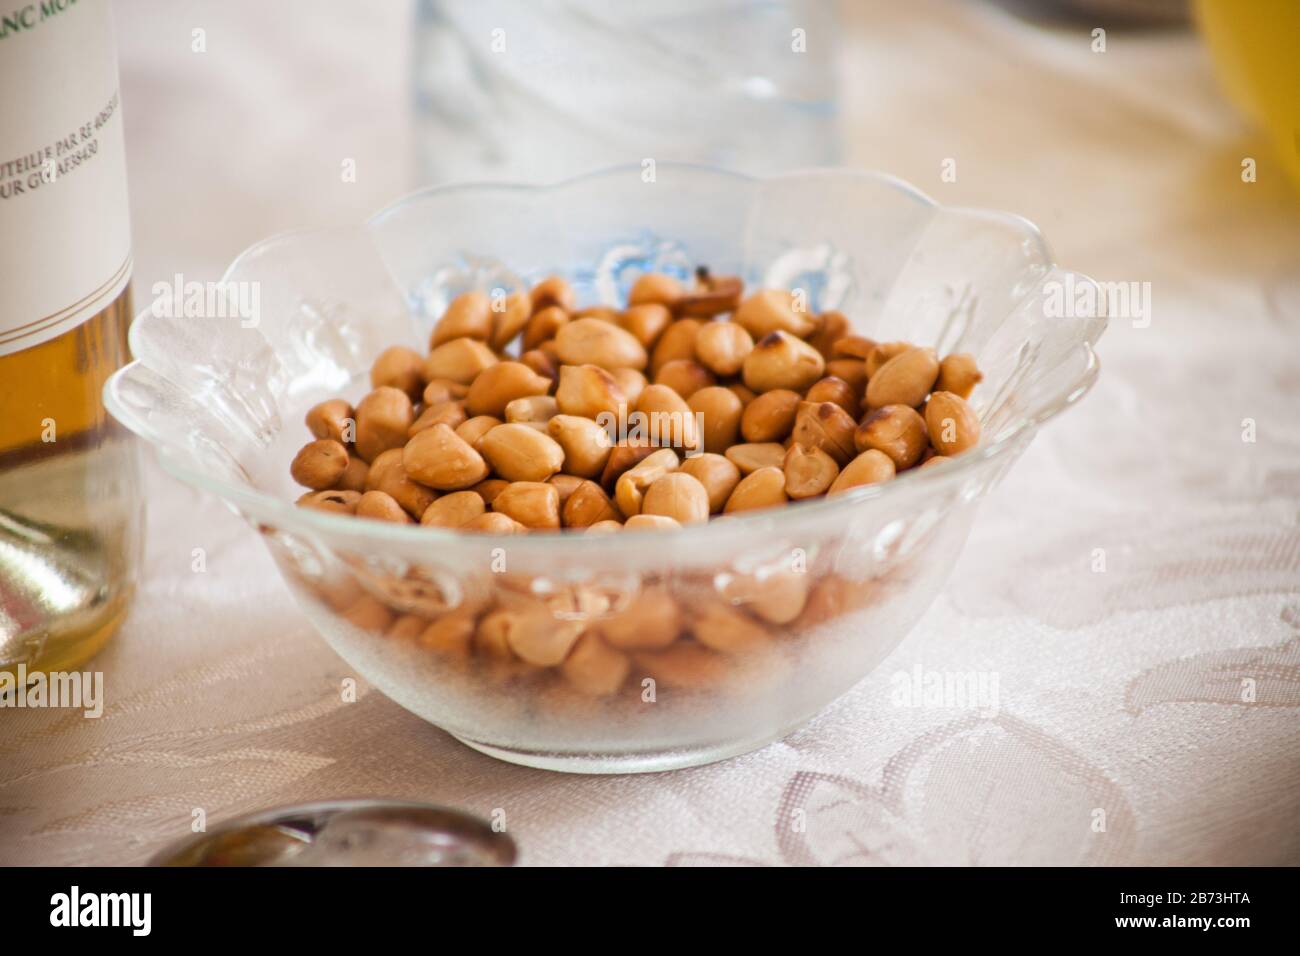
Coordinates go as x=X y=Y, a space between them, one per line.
x=66 y=249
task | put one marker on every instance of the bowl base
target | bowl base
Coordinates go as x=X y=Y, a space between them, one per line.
x=641 y=761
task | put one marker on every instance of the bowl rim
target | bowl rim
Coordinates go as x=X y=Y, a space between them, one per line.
x=286 y=515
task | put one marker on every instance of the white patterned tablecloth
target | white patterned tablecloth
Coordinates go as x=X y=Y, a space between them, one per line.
x=1160 y=695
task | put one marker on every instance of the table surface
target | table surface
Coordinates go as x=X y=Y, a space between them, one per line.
x=1122 y=734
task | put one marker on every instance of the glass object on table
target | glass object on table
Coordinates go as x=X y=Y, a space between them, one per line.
x=550 y=89
x=70 y=509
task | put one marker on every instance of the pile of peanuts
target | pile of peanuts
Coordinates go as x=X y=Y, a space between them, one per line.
x=768 y=403
x=504 y=426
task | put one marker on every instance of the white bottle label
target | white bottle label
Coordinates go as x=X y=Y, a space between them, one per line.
x=65 y=236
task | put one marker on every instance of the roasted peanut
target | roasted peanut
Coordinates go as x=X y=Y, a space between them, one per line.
x=594 y=668
x=533 y=408
x=832 y=326
x=622 y=457
x=588 y=391
x=489 y=489
x=388 y=475
x=498 y=386
x=676 y=342
x=543 y=326
x=594 y=342
x=451 y=414
x=666 y=419
x=684 y=376
x=449 y=635
x=721 y=347
x=852 y=371
x=382 y=507
x=454 y=510
x=773 y=310
x=630 y=382
x=605 y=526
x=630 y=488
x=677 y=496
x=832 y=389
x=319 y=464
x=606 y=313
x=401 y=368
x=869 y=468
x=587 y=505
x=826 y=426
x=333 y=419
x=533 y=504
x=469 y=315
x=651 y=620
x=744 y=394
x=724 y=629
x=750 y=457
x=808 y=472
x=904 y=380
x=443 y=390
x=712 y=295
x=717 y=474
x=770 y=416
x=509 y=317
x=459 y=360
x=650 y=523
x=548 y=349
x=338 y=502
x=354 y=476
x=655 y=288
x=519 y=453
x=566 y=485
x=958 y=374
x=408 y=626
x=541 y=363
x=778 y=596
x=534 y=634
x=763 y=488
x=368 y=613
x=494 y=522
x=383 y=417
x=553 y=290
x=952 y=425
x=853 y=347
x=720 y=410
x=779 y=360
x=646 y=322
x=685 y=665
x=585 y=444
x=472 y=429
x=441 y=459
x=882 y=353
x=897 y=430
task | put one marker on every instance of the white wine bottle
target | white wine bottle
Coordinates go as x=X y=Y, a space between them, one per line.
x=70 y=506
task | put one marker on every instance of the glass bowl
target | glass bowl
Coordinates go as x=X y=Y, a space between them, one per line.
x=696 y=644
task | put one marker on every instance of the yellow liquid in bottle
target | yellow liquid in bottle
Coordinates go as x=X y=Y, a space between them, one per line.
x=70 y=511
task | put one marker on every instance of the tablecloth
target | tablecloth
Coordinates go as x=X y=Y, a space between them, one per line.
x=1133 y=585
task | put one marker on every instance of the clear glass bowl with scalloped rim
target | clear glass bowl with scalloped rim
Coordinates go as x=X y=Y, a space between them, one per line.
x=825 y=589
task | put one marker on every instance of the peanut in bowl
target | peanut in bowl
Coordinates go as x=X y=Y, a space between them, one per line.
x=630 y=650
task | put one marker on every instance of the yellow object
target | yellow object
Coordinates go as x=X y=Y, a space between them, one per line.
x=1256 y=49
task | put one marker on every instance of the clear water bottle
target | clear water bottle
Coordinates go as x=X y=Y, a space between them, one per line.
x=540 y=91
